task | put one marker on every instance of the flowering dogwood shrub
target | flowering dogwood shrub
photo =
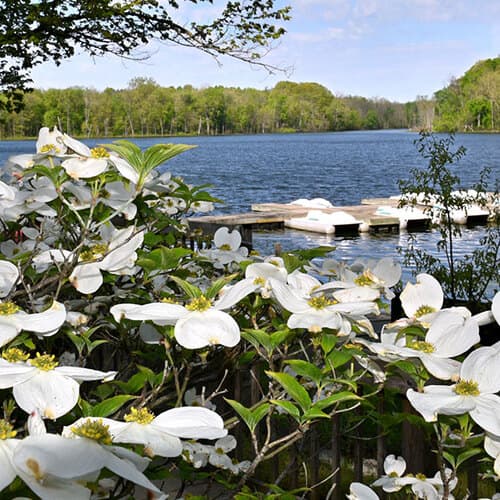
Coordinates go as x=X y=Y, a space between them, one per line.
x=129 y=350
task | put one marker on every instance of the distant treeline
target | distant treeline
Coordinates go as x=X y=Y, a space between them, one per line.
x=145 y=108
x=472 y=102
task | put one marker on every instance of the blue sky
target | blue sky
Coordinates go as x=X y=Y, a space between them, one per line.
x=396 y=49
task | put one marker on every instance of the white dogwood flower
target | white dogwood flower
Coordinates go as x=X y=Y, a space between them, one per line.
x=380 y=275
x=13 y=320
x=422 y=299
x=84 y=162
x=78 y=458
x=227 y=247
x=198 y=324
x=115 y=253
x=161 y=435
x=39 y=384
x=474 y=393
x=319 y=311
x=451 y=333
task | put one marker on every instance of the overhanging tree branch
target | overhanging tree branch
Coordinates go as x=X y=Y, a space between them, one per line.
x=33 y=32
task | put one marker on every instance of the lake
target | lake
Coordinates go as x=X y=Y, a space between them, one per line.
x=343 y=167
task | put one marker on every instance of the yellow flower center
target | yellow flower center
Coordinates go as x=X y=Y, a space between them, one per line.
x=7 y=308
x=99 y=152
x=95 y=430
x=142 y=416
x=94 y=252
x=421 y=476
x=259 y=281
x=225 y=246
x=424 y=310
x=168 y=300
x=49 y=148
x=421 y=345
x=364 y=279
x=14 y=355
x=199 y=304
x=467 y=388
x=393 y=474
x=320 y=302
x=6 y=430
x=44 y=362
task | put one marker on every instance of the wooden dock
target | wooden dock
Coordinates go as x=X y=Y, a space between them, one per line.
x=271 y=216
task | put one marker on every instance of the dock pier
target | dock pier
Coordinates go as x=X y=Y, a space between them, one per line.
x=271 y=216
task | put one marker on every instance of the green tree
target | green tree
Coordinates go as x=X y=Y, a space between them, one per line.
x=35 y=32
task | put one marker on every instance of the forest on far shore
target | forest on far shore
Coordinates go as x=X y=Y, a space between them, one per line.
x=144 y=108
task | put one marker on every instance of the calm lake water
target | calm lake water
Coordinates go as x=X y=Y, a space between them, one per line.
x=343 y=167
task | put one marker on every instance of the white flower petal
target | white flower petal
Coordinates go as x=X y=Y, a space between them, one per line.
x=357 y=294
x=7 y=472
x=233 y=294
x=84 y=168
x=212 y=327
x=265 y=270
x=481 y=366
x=48 y=392
x=48 y=321
x=127 y=470
x=288 y=298
x=161 y=313
x=441 y=368
x=87 y=278
x=58 y=456
x=492 y=445
x=388 y=271
x=14 y=373
x=487 y=413
x=495 y=307
x=125 y=169
x=359 y=491
x=315 y=320
x=76 y=146
x=8 y=331
x=394 y=465
x=439 y=399
x=225 y=237
x=84 y=374
x=451 y=334
x=426 y=292
x=191 y=422
x=9 y=275
x=153 y=437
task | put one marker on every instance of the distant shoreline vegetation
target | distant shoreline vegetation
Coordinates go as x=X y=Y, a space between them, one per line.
x=468 y=104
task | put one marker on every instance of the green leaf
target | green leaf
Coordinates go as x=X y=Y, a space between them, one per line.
x=111 y=405
x=328 y=342
x=314 y=413
x=293 y=388
x=218 y=285
x=337 y=398
x=449 y=458
x=306 y=369
x=466 y=455
x=190 y=290
x=85 y=407
x=289 y=407
x=242 y=411
x=162 y=259
x=258 y=338
x=339 y=358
